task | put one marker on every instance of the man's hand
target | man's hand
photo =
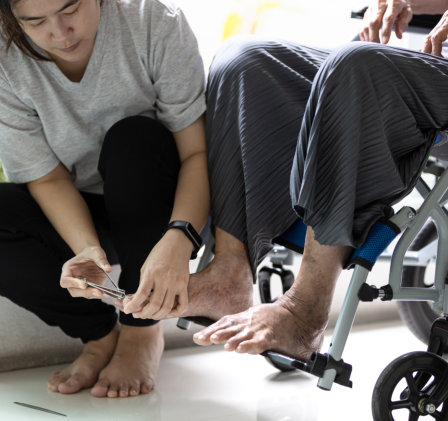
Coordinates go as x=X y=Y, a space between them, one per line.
x=433 y=42
x=85 y=266
x=162 y=292
x=382 y=16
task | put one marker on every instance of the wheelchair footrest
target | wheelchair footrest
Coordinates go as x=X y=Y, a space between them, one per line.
x=317 y=365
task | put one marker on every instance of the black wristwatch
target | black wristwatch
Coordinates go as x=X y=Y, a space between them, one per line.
x=191 y=234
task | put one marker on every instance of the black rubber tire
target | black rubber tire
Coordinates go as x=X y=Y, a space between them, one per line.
x=409 y=367
x=418 y=315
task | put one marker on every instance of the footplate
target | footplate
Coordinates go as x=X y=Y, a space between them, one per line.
x=317 y=365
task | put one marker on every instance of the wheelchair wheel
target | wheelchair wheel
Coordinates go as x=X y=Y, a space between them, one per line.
x=404 y=389
x=418 y=315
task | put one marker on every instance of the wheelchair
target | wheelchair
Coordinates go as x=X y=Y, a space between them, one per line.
x=416 y=381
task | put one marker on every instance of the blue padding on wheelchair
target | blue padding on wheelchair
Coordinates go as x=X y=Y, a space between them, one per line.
x=294 y=237
x=380 y=236
x=438 y=139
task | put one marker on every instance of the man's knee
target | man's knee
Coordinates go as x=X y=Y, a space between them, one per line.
x=132 y=131
x=239 y=58
x=353 y=57
x=133 y=140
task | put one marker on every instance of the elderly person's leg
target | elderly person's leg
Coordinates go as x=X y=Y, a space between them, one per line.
x=295 y=323
x=257 y=94
x=225 y=285
x=368 y=129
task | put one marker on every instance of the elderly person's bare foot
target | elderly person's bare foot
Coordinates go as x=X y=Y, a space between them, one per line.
x=83 y=372
x=294 y=324
x=291 y=327
x=133 y=368
x=225 y=285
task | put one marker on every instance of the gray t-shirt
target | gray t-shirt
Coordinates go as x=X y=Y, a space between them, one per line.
x=145 y=62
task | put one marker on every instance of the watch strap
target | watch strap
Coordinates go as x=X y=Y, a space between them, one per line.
x=190 y=233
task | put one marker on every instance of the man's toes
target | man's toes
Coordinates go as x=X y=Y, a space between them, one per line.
x=134 y=391
x=101 y=388
x=113 y=391
x=53 y=383
x=146 y=387
x=54 y=376
x=55 y=380
x=134 y=388
x=228 y=335
x=204 y=336
x=52 y=387
x=123 y=391
x=72 y=385
x=239 y=336
x=251 y=346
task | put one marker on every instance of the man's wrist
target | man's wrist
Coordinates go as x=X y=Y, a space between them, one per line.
x=189 y=231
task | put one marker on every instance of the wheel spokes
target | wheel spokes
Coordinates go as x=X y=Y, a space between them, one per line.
x=410 y=380
x=437 y=415
x=413 y=416
x=407 y=386
x=400 y=405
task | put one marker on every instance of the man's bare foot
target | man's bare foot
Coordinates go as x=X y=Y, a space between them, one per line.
x=287 y=326
x=83 y=372
x=133 y=368
x=295 y=323
x=223 y=287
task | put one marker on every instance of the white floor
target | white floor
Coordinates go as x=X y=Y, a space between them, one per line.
x=197 y=384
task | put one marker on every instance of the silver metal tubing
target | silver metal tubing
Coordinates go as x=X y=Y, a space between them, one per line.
x=414 y=258
x=416 y=294
x=429 y=208
x=344 y=324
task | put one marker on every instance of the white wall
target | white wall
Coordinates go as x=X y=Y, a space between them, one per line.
x=324 y=23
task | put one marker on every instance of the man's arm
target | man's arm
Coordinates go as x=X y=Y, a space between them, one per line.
x=165 y=273
x=65 y=208
x=67 y=211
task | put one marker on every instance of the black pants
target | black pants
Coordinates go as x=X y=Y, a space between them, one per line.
x=139 y=164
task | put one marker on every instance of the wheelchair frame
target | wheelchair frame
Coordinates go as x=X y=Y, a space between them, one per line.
x=409 y=221
x=330 y=367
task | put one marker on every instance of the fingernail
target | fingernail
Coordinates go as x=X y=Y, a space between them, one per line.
x=226 y=347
